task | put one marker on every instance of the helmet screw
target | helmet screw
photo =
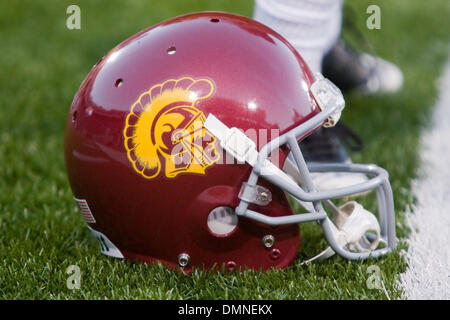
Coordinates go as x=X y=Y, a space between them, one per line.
x=264 y=196
x=268 y=241
x=183 y=259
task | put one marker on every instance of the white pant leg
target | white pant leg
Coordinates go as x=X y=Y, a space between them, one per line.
x=311 y=26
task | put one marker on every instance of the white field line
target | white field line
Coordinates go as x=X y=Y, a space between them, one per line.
x=428 y=255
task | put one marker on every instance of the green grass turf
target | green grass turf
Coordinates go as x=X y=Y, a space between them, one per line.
x=41 y=232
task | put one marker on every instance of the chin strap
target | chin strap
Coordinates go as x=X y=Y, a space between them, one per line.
x=351 y=223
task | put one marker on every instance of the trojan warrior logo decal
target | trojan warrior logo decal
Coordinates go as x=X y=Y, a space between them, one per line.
x=164 y=130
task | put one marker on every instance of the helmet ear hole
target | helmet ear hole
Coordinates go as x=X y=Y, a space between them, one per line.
x=222 y=221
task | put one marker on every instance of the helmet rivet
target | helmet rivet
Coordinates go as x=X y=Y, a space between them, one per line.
x=275 y=254
x=231 y=265
x=268 y=241
x=183 y=259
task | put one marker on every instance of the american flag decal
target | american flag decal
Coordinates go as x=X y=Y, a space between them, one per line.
x=85 y=211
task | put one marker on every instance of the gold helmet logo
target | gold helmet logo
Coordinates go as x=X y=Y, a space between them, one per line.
x=165 y=129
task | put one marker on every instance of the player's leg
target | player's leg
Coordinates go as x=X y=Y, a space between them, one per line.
x=312 y=27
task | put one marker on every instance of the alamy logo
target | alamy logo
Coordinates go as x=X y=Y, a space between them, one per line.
x=73 y=21
x=374 y=20
x=74 y=280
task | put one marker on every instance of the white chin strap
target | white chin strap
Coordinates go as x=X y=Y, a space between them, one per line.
x=351 y=221
x=350 y=224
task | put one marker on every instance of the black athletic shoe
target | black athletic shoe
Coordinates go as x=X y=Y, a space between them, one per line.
x=365 y=73
x=324 y=145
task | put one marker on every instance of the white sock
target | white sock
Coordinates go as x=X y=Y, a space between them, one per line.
x=311 y=26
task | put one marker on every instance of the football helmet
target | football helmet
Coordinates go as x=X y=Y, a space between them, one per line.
x=177 y=147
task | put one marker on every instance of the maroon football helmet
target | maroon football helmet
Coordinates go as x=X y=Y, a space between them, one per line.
x=177 y=140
